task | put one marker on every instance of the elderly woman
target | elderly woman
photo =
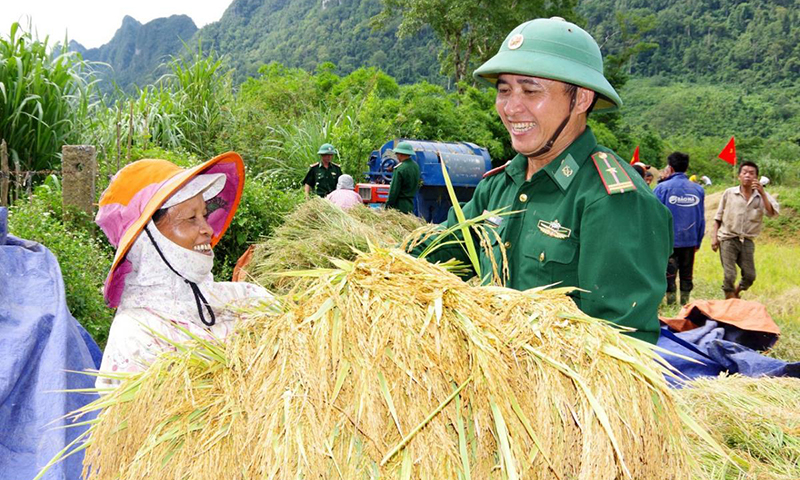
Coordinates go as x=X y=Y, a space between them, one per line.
x=345 y=196
x=164 y=221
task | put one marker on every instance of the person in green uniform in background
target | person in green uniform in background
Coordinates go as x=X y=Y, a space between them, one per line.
x=584 y=217
x=405 y=180
x=323 y=175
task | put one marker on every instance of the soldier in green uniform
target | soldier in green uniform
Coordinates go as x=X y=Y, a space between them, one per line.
x=584 y=215
x=405 y=180
x=323 y=175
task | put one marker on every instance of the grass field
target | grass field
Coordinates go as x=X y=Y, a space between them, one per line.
x=777 y=282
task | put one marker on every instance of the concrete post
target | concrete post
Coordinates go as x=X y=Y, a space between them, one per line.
x=5 y=174
x=78 y=171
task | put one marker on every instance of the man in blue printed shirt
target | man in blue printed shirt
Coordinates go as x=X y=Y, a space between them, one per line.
x=686 y=200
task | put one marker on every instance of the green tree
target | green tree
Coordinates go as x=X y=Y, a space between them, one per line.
x=470 y=30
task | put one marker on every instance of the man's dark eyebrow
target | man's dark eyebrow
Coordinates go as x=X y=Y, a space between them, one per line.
x=526 y=81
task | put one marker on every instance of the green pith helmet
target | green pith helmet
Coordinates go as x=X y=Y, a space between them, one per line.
x=404 y=147
x=555 y=49
x=326 y=149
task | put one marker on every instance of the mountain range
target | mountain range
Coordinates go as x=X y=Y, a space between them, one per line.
x=296 y=33
x=754 y=42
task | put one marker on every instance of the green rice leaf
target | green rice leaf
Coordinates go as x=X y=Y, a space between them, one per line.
x=465 y=231
x=419 y=427
x=344 y=369
x=462 y=442
x=388 y=397
x=505 y=443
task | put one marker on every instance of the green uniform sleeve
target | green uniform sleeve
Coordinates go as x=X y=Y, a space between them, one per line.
x=624 y=285
x=396 y=186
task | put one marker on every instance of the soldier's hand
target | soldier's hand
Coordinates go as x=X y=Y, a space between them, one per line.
x=714 y=244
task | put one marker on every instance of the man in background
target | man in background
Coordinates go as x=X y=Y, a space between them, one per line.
x=405 y=180
x=323 y=175
x=737 y=223
x=686 y=200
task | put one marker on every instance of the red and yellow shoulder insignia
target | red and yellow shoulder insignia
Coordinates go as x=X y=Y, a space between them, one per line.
x=613 y=174
x=313 y=165
x=497 y=170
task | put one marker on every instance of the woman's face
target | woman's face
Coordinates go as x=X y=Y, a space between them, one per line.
x=185 y=224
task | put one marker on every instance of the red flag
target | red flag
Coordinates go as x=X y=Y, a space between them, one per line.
x=635 y=158
x=728 y=153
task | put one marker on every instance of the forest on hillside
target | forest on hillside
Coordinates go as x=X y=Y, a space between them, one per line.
x=753 y=42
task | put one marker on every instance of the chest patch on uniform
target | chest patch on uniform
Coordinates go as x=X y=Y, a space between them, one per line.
x=554 y=229
x=614 y=176
x=566 y=172
x=493 y=220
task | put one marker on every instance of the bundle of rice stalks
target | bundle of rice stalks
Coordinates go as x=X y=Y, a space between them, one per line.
x=758 y=418
x=391 y=367
x=318 y=231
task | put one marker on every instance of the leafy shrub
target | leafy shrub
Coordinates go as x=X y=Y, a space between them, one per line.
x=84 y=258
x=785 y=226
x=778 y=172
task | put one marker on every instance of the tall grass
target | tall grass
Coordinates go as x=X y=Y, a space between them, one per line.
x=298 y=143
x=186 y=110
x=201 y=88
x=44 y=97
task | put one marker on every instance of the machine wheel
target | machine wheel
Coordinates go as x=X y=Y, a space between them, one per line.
x=387 y=163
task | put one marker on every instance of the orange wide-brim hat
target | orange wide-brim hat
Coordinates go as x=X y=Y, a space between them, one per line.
x=141 y=188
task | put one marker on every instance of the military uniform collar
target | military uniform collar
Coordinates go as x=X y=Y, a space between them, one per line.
x=561 y=169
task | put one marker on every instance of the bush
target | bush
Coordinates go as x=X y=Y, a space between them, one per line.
x=785 y=226
x=84 y=258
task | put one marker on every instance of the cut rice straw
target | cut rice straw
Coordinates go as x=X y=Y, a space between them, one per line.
x=294 y=391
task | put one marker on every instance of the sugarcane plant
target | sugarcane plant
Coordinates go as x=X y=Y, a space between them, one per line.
x=46 y=93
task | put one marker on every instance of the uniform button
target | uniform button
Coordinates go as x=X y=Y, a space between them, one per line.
x=541 y=257
x=523 y=198
x=507 y=245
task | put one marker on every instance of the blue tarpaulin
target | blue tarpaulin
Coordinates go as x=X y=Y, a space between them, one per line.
x=40 y=342
x=716 y=355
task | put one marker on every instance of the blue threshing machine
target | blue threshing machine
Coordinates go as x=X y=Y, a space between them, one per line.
x=466 y=163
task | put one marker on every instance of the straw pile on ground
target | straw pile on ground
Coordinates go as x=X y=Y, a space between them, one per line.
x=391 y=367
x=318 y=231
x=758 y=418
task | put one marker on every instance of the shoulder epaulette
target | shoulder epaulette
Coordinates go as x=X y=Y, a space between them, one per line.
x=612 y=173
x=497 y=170
x=313 y=165
x=336 y=165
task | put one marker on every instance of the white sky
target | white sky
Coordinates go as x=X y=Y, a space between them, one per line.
x=93 y=22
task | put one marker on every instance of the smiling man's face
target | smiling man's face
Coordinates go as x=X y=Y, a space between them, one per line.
x=531 y=109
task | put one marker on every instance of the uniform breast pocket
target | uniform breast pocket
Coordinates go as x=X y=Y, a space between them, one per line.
x=552 y=260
